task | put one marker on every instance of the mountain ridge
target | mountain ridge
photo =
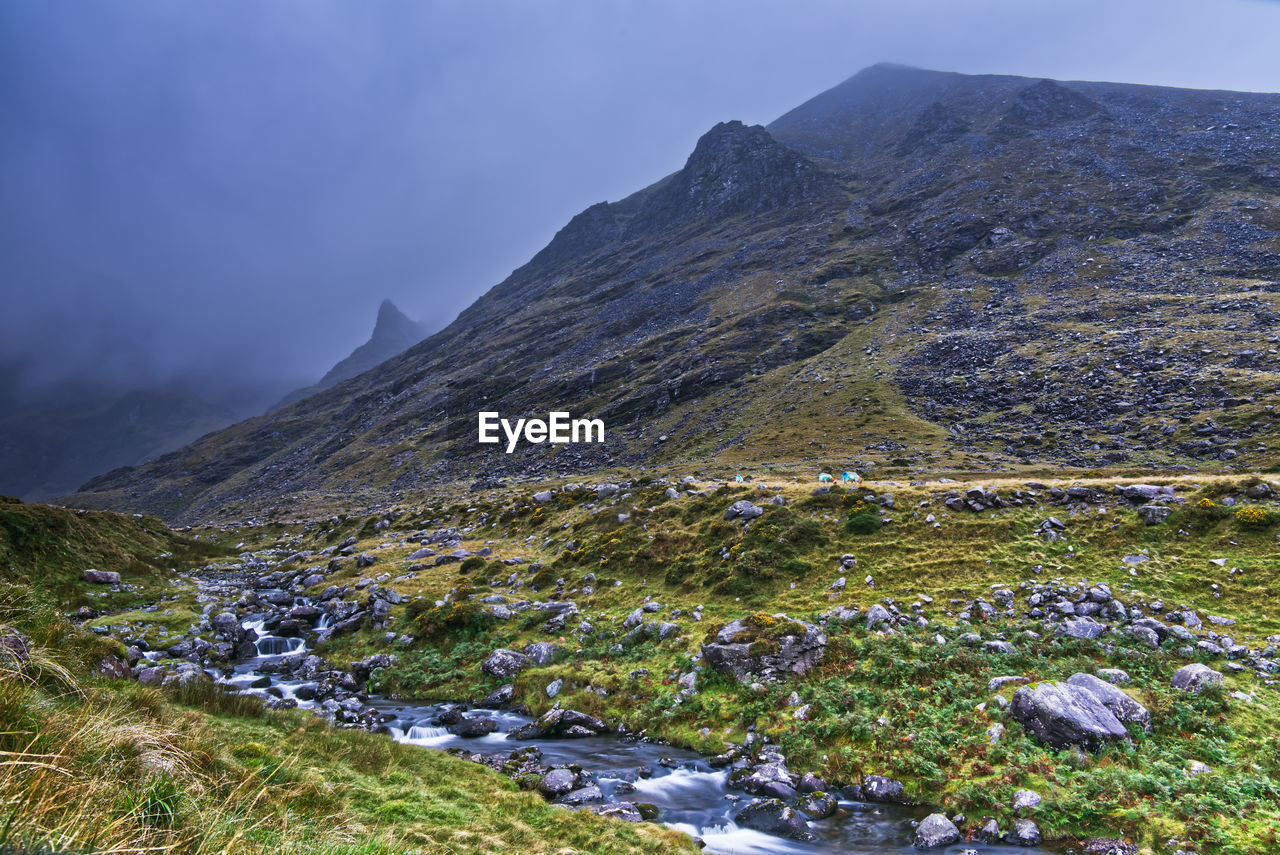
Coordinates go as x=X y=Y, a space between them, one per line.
x=922 y=266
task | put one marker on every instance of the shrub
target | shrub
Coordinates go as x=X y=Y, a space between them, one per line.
x=864 y=518
x=1255 y=517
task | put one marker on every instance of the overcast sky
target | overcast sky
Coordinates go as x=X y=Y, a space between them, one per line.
x=232 y=187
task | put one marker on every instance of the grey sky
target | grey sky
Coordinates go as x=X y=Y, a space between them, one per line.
x=231 y=187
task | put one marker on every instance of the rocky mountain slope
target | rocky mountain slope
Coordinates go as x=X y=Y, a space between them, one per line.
x=393 y=333
x=913 y=271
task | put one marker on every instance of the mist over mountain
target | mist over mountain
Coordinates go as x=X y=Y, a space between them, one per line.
x=913 y=269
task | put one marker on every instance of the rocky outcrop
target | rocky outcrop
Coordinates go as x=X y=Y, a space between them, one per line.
x=1062 y=714
x=765 y=648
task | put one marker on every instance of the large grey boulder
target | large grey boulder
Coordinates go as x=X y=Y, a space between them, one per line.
x=765 y=648
x=743 y=510
x=1121 y=705
x=773 y=816
x=1194 y=677
x=935 y=831
x=1060 y=714
x=102 y=577
x=504 y=664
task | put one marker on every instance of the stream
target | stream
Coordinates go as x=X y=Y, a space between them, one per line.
x=689 y=794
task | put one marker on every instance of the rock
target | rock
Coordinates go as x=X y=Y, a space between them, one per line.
x=558 y=782
x=1083 y=627
x=1060 y=714
x=819 y=805
x=1121 y=705
x=543 y=496
x=471 y=728
x=419 y=554
x=541 y=652
x=15 y=647
x=773 y=816
x=499 y=697
x=583 y=795
x=1114 y=675
x=102 y=577
x=553 y=688
x=743 y=510
x=1195 y=677
x=877 y=788
x=1024 y=833
x=764 y=647
x=935 y=831
x=559 y=723
x=625 y=811
x=504 y=664
x=877 y=615
x=1153 y=514
x=1026 y=800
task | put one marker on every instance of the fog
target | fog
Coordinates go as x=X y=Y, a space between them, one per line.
x=225 y=191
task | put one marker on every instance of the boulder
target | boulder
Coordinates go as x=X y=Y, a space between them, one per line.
x=773 y=816
x=935 y=831
x=560 y=724
x=504 y=664
x=541 y=652
x=1121 y=705
x=472 y=728
x=1194 y=677
x=765 y=648
x=558 y=782
x=743 y=510
x=1060 y=714
x=102 y=577
x=877 y=788
x=1024 y=833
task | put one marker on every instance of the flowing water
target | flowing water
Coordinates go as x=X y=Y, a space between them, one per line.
x=688 y=793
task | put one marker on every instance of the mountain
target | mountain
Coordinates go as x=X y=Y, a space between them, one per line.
x=393 y=333
x=914 y=271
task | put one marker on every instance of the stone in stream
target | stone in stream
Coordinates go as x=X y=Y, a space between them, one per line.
x=1024 y=833
x=765 y=647
x=472 y=728
x=1195 y=677
x=560 y=724
x=935 y=831
x=1062 y=714
x=625 y=811
x=583 y=795
x=773 y=816
x=877 y=788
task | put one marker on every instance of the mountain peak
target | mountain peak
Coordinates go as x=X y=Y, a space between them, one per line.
x=393 y=324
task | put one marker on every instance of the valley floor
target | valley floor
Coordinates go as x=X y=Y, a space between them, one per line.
x=618 y=600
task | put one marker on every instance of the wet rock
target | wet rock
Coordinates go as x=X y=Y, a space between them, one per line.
x=558 y=782
x=934 y=832
x=560 y=724
x=472 y=728
x=583 y=795
x=1024 y=833
x=773 y=816
x=625 y=811
x=877 y=788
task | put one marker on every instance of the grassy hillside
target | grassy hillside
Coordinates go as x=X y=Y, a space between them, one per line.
x=912 y=703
